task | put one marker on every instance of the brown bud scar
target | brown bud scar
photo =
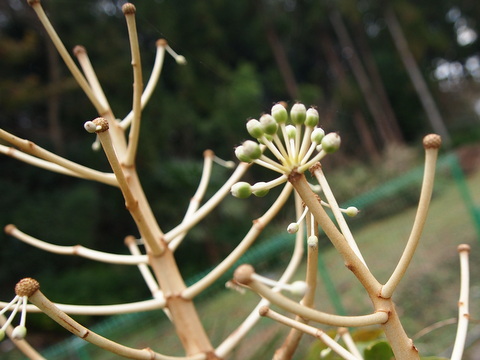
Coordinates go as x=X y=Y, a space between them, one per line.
x=128 y=9
x=463 y=247
x=26 y=287
x=102 y=124
x=162 y=42
x=432 y=141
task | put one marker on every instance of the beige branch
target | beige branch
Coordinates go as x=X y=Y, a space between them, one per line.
x=152 y=81
x=129 y=11
x=77 y=250
x=52 y=160
x=431 y=144
x=319 y=334
x=243 y=275
x=463 y=312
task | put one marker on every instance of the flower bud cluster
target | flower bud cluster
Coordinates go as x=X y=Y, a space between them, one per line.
x=294 y=140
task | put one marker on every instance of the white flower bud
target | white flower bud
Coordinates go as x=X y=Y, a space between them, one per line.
x=241 y=190
x=180 y=59
x=90 y=126
x=317 y=135
x=291 y=131
x=298 y=113
x=312 y=241
x=19 y=332
x=331 y=142
x=279 y=113
x=298 y=288
x=269 y=124
x=312 y=117
x=254 y=128
x=293 y=228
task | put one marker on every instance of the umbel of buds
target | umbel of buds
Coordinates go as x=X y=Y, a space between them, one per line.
x=293 y=141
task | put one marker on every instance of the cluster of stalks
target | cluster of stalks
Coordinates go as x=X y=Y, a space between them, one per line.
x=296 y=144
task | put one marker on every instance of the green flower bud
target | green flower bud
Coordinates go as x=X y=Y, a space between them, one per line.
x=279 y=113
x=269 y=124
x=2 y=334
x=251 y=149
x=352 y=211
x=19 y=332
x=331 y=142
x=298 y=113
x=260 y=192
x=240 y=154
x=291 y=131
x=241 y=190
x=312 y=117
x=317 y=135
x=254 y=128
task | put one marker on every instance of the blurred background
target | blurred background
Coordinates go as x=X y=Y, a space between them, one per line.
x=382 y=73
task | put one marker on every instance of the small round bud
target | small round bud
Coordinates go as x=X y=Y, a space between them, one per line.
x=312 y=117
x=292 y=228
x=128 y=8
x=26 y=287
x=2 y=334
x=291 y=131
x=312 y=241
x=251 y=149
x=180 y=59
x=317 y=135
x=241 y=190
x=298 y=114
x=262 y=191
x=279 y=113
x=19 y=332
x=352 y=211
x=298 y=288
x=432 y=141
x=331 y=142
x=254 y=128
x=90 y=127
x=269 y=125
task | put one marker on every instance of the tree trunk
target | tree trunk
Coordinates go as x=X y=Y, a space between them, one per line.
x=365 y=84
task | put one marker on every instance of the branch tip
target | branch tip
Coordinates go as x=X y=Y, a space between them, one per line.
x=27 y=287
x=460 y=248
x=263 y=311
x=33 y=2
x=9 y=229
x=78 y=50
x=128 y=9
x=243 y=274
x=162 y=42
x=432 y=141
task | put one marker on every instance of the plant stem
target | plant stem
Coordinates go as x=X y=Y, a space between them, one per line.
x=463 y=314
x=431 y=144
